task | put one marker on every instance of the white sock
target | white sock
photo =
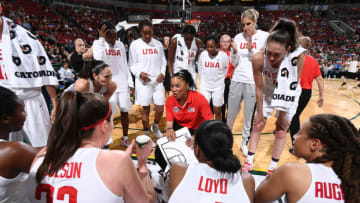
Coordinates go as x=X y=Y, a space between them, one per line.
x=250 y=158
x=273 y=164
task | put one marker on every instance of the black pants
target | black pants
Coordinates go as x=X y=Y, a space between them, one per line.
x=226 y=95
x=295 y=122
x=159 y=158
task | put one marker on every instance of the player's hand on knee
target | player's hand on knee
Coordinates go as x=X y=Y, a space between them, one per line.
x=144 y=77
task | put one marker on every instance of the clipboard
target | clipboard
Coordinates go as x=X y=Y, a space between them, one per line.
x=177 y=151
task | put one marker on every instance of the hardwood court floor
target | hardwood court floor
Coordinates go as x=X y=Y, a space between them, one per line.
x=344 y=101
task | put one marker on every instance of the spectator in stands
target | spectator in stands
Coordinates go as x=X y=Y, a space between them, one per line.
x=310 y=72
x=23 y=76
x=112 y=51
x=225 y=43
x=213 y=146
x=15 y=157
x=184 y=108
x=79 y=55
x=84 y=123
x=66 y=74
x=330 y=144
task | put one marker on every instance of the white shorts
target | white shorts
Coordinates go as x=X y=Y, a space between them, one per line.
x=121 y=99
x=217 y=95
x=268 y=110
x=37 y=124
x=146 y=93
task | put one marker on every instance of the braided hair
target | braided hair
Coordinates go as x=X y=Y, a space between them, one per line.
x=342 y=143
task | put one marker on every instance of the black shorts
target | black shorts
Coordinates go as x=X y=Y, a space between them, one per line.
x=351 y=75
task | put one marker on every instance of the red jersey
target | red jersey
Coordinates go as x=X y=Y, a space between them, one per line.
x=310 y=71
x=195 y=111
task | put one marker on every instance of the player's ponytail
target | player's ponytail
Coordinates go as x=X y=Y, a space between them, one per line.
x=76 y=118
x=216 y=141
x=285 y=32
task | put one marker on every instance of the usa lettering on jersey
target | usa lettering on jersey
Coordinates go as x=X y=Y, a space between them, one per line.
x=244 y=45
x=112 y=52
x=213 y=185
x=150 y=51
x=211 y=64
x=3 y=76
x=327 y=190
x=69 y=170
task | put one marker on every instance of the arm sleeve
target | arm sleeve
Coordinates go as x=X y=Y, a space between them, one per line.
x=132 y=61
x=98 y=49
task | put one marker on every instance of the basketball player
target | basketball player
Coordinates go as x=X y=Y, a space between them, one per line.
x=184 y=50
x=97 y=81
x=242 y=86
x=281 y=50
x=25 y=68
x=213 y=66
x=73 y=166
x=330 y=144
x=112 y=51
x=15 y=157
x=147 y=62
x=217 y=176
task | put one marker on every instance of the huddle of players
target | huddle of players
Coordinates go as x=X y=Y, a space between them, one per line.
x=148 y=64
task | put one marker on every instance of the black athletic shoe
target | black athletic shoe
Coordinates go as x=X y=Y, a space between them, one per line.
x=344 y=83
x=291 y=150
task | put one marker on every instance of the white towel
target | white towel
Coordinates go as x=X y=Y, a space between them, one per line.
x=287 y=90
x=26 y=62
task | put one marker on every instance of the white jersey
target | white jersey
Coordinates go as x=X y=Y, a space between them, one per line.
x=77 y=181
x=202 y=183
x=148 y=58
x=212 y=69
x=243 y=71
x=325 y=186
x=271 y=74
x=353 y=66
x=115 y=57
x=15 y=189
x=184 y=57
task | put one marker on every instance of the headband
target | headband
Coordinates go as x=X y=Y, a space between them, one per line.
x=96 y=124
